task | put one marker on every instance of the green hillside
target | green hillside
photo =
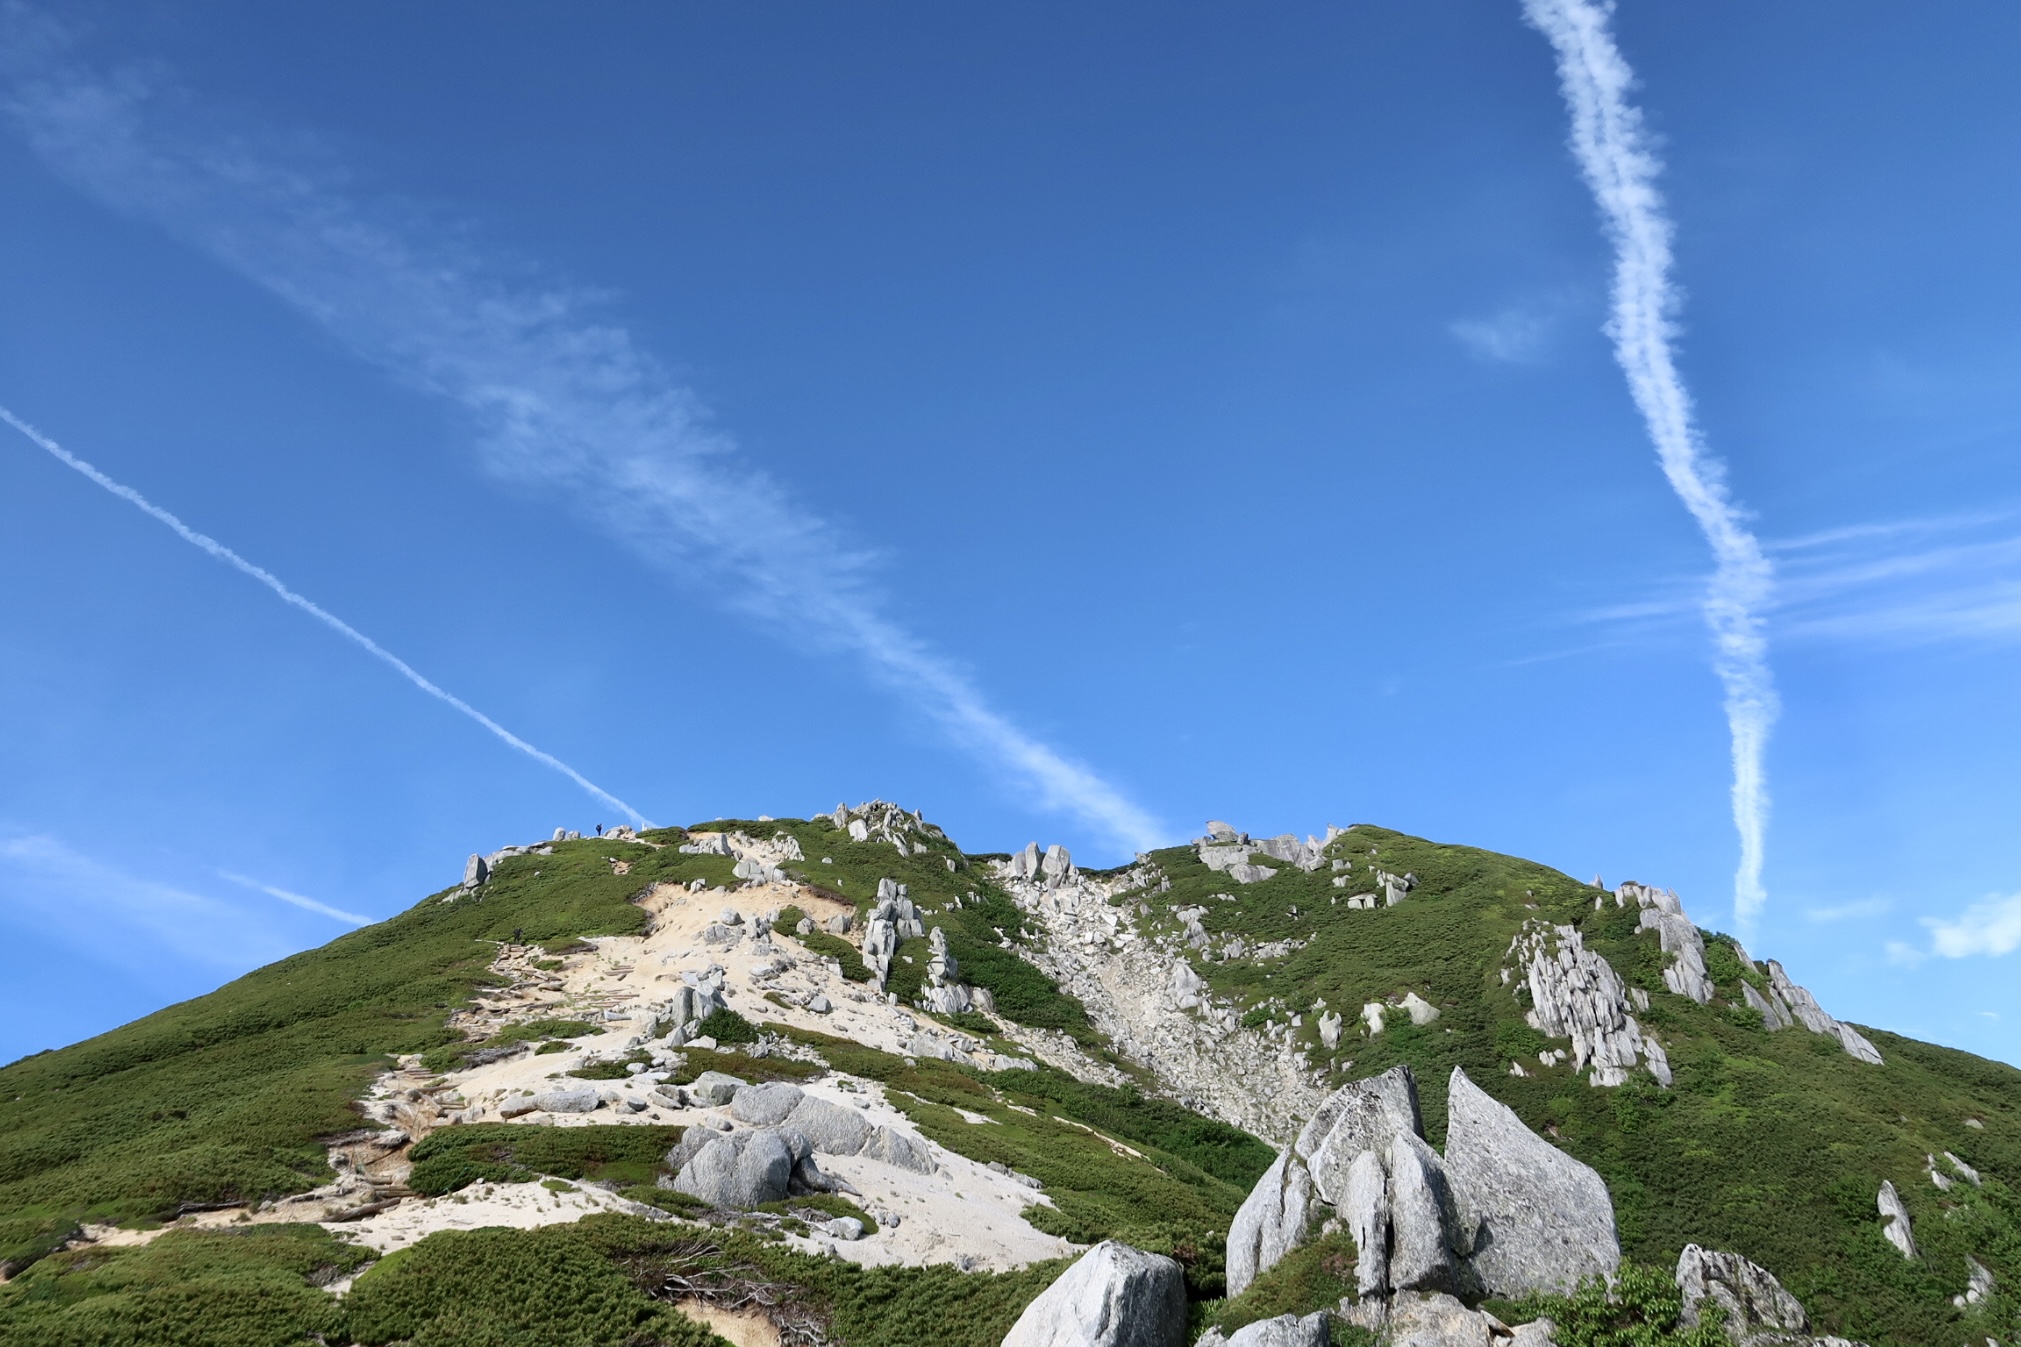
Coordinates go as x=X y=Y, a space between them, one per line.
x=1771 y=1145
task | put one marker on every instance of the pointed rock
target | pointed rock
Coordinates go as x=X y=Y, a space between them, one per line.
x=1419 y=1259
x=1535 y=1218
x=1272 y=1221
x=1364 y=1207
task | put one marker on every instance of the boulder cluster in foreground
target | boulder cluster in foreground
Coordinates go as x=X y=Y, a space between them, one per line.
x=1503 y=1214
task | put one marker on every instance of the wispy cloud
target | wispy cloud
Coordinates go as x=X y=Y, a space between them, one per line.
x=125 y=920
x=1620 y=168
x=1516 y=335
x=1992 y=927
x=225 y=554
x=306 y=904
x=560 y=398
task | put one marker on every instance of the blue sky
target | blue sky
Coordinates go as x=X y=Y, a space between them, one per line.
x=1073 y=421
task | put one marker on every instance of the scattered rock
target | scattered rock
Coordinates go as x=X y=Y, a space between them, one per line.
x=1112 y=1296
x=832 y=1129
x=567 y=1101
x=517 y=1106
x=738 y=1170
x=716 y=1087
x=820 y=1004
x=1978 y=1285
x=765 y=1105
x=844 y=1228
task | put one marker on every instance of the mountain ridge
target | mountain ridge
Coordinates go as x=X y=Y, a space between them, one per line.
x=1125 y=1037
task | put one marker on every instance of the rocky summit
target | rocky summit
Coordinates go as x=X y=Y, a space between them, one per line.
x=835 y=1080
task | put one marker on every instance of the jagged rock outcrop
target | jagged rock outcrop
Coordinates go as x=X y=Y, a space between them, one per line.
x=1502 y=1213
x=893 y=919
x=1574 y=993
x=1537 y=1219
x=1804 y=1009
x=945 y=993
x=475 y=871
x=1664 y=914
x=1897 y=1229
x=1753 y=1303
x=881 y=821
x=1273 y=1220
x=1774 y=1014
x=1112 y=1296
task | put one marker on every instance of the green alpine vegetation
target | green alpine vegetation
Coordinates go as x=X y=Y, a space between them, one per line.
x=1768 y=1144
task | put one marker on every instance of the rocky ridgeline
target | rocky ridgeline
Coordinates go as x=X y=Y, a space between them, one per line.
x=881 y=821
x=1575 y=993
x=1502 y=1214
x=1139 y=989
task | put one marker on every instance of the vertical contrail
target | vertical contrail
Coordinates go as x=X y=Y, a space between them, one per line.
x=1620 y=167
x=336 y=624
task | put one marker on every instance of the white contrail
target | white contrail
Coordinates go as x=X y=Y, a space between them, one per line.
x=562 y=400
x=306 y=904
x=1620 y=167
x=336 y=624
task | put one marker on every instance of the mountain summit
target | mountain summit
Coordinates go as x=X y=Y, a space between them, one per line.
x=835 y=1080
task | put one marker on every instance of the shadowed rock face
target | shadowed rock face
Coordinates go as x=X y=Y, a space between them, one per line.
x=1539 y=1219
x=1113 y=1296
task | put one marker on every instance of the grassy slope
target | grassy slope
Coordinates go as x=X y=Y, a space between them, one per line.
x=224 y=1097
x=1770 y=1145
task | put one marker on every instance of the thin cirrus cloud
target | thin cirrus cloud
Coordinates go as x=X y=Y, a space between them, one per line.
x=1620 y=167
x=560 y=399
x=1933 y=579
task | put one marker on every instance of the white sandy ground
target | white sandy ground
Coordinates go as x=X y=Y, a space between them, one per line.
x=963 y=1213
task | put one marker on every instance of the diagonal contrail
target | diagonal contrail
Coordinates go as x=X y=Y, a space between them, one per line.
x=562 y=400
x=1620 y=167
x=330 y=620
